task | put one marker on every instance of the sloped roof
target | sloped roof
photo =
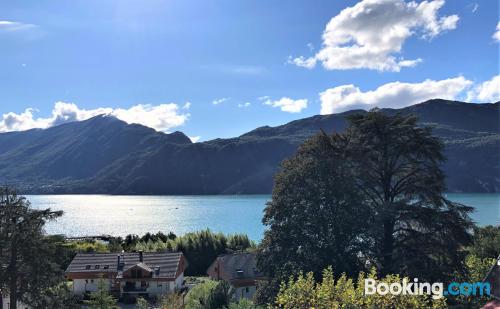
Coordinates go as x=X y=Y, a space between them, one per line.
x=140 y=265
x=237 y=266
x=168 y=263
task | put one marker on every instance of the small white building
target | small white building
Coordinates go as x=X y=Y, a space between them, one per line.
x=134 y=274
x=239 y=270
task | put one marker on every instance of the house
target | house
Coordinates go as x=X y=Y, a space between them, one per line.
x=128 y=274
x=239 y=270
x=493 y=278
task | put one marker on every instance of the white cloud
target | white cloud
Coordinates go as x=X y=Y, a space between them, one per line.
x=370 y=34
x=496 y=35
x=488 y=91
x=219 y=101
x=194 y=139
x=187 y=105
x=391 y=95
x=244 y=105
x=11 y=26
x=288 y=105
x=475 y=6
x=161 y=117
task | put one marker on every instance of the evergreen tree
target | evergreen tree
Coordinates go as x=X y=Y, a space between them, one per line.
x=414 y=229
x=101 y=298
x=316 y=216
x=29 y=260
x=371 y=196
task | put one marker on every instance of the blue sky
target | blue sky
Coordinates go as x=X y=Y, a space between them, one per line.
x=103 y=55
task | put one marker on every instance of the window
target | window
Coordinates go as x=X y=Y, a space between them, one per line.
x=87 y=266
x=97 y=266
x=91 y=280
x=106 y=266
x=246 y=290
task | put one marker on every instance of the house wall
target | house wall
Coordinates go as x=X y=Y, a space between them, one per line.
x=80 y=286
x=245 y=292
x=178 y=282
x=156 y=288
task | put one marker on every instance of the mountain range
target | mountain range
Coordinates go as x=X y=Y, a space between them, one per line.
x=106 y=155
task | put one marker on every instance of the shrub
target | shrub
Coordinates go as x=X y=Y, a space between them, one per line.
x=305 y=292
x=209 y=295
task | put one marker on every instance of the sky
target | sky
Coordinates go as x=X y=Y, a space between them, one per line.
x=221 y=68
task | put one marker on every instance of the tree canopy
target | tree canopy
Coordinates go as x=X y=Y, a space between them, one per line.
x=30 y=261
x=369 y=197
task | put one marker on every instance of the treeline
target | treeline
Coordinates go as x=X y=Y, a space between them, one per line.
x=200 y=248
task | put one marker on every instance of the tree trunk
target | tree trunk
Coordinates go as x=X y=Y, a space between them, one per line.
x=13 y=277
x=387 y=247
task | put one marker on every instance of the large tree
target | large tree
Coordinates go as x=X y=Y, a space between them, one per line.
x=316 y=216
x=371 y=196
x=414 y=229
x=29 y=260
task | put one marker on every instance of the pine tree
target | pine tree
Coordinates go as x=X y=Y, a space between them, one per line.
x=29 y=262
x=101 y=298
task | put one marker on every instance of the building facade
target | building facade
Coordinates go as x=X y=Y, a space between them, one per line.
x=239 y=270
x=133 y=274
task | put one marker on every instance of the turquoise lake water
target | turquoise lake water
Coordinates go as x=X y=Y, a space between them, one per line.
x=122 y=215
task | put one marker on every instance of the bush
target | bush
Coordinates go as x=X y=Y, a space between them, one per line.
x=476 y=269
x=486 y=242
x=305 y=292
x=243 y=304
x=209 y=295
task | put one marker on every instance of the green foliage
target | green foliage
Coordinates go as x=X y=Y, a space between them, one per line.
x=87 y=246
x=172 y=301
x=305 y=292
x=200 y=248
x=155 y=241
x=101 y=298
x=372 y=195
x=486 y=242
x=30 y=261
x=244 y=304
x=209 y=295
x=316 y=216
x=57 y=297
x=475 y=270
x=142 y=303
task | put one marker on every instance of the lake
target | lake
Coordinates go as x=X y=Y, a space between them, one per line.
x=122 y=215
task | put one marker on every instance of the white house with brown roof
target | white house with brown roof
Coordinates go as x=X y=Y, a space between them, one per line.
x=239 y=270
x=133 y=274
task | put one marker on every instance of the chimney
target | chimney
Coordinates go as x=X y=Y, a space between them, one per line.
x=140 y=256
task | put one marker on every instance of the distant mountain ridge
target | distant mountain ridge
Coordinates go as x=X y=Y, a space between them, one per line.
x=106 y=155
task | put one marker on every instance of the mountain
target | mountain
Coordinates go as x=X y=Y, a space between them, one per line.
x=106 y=155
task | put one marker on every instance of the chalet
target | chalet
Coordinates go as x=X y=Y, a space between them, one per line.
x=239 y=270
x=128 y=274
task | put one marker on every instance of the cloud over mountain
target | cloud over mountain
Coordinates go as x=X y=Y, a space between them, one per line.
x=390 y=95
x=488 y=91
x=287 y=104
x=161 y=117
